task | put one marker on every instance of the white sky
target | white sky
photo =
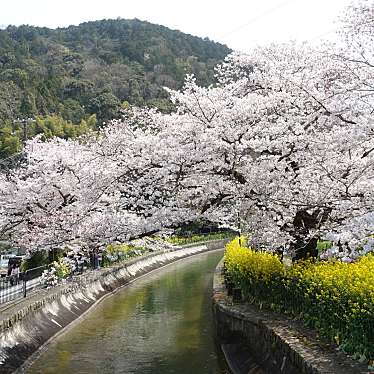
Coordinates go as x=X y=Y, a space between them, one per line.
x=241 y=24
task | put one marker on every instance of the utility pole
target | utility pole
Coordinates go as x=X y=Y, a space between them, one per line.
x=24 y=122
x=239 y=229
x=239 y=221
x=238 y=205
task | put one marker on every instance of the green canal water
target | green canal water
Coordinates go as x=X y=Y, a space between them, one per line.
x=160 y=324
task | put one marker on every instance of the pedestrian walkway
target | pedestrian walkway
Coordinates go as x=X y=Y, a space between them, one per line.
x=12 y=308
x=13 y=292
x=12 y=301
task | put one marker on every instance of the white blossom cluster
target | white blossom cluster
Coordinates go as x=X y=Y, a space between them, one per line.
x=49 y=278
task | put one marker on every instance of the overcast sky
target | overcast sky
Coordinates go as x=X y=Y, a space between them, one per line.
x=241 y=24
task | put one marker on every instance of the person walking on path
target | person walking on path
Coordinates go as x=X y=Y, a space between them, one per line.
x=14 y=274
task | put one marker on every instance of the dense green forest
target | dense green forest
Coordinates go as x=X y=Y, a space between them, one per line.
x=73 y=79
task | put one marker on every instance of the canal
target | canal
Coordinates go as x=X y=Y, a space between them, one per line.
x=160 y=324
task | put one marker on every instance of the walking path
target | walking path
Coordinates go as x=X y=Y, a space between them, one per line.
x=10 y=306
x=7 y=310
x=15 y=292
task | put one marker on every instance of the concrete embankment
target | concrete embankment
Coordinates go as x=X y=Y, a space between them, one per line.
x=258 y=341
x=26 y=328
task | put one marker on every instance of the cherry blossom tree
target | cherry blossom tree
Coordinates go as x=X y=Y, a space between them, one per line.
x=98 y=190
x=281 y=148
x=286 y=138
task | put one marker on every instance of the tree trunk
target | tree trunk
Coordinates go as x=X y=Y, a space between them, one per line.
x=305 y=246
x=305 y=249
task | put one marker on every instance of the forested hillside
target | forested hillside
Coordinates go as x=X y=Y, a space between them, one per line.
x=72 y=79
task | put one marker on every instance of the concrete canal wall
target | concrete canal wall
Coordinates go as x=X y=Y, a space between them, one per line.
x=271 y=343
x=27 y=329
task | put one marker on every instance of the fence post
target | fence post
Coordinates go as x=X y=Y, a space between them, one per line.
x=24 y=283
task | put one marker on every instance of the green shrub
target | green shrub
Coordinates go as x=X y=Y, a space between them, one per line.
x=119 y=252
x=323 y=245
x=182 y=240
x=35 y=260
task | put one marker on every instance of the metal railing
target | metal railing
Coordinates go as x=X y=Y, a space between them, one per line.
x=13 y=287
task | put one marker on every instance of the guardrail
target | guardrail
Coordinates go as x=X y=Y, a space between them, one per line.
x=13 y=287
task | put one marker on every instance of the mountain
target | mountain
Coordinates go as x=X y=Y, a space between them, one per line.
x=78 y=77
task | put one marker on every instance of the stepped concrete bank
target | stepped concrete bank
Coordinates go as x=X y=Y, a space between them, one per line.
x=26 y=327
x=257 y=341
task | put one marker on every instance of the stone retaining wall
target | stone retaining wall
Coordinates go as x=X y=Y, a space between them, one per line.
x=277 y=344
x=30 y=327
